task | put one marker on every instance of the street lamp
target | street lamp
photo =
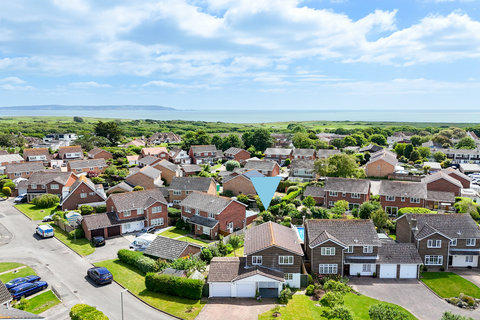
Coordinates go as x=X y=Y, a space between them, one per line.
x=121 y=295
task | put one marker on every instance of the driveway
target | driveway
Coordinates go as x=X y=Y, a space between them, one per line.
x=235 y=308
x=109 y=250
x=410 y=294
x=471 y=275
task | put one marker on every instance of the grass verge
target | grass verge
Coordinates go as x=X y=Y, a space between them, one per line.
x=27 y=271
x=449 y=284
x=133 y=279
x=42 y=302
x=82 y=246
x=192 y=240
x=173 y=233
x=5 y=266
x=35 y=213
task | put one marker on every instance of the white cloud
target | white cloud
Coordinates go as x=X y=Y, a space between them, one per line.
x=9 y=87
x=282 y=67
x=91 y=84
x=276 y=90
x=160 y=83
x=14 y=80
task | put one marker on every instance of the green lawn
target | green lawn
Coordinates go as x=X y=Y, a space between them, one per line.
x=215 y=167
x=302 y=308
x=134 y=280
x=42 y=302
x=82 y=246
x=393 y=236
x=173 y=233
x=239 y=252
x=27 y=271
x=5 y=266
x=197 y=241
x=449 y=284
x=35 y=213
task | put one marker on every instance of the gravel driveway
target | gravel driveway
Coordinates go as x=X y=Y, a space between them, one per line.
x=410 y=294
x=235 y=308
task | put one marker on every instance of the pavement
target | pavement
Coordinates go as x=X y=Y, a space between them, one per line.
x=235 y=308
x=65 y=271
x=411 y=294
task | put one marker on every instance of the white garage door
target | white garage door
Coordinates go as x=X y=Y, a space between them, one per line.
x=388 y=271
x=221 y=290
x=246 y=290
x=408 y=271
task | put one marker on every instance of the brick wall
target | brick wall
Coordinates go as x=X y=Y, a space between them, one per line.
x=270 y=259
x=239 y=185
x=150 y=215
x=403 y=232
x=102 y=155
x=190 y=250
x=75 y=198
x=443 y=251
x=316 y=257
x=400 y=204
x=167 y=174
x=347 y=197
x=465 y=183
x=444 y=185
x=242 y=155
x=85 y=170
x=140 y=179
x=379 y=168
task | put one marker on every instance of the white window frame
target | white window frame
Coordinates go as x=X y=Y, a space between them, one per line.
x=414 y=200
x=187 y=209
x=331 y=203
x=230 y=225
x=156 y=222
x=434 y=243
x=17 y=174
x=156 y=209
x=34 y=186
x=91 y=193
x=211 y=215
x=54 y=186
x=100 y=168
x=257 y=260
x=288 y=276
x=470 y=242
x=83 y=195
x=139 y=211
x=333 y=193
x=127 y=213
x=468 y=259
x=197 y=212
x=285 y=260
x=344 y=194
x=355 y=195
x=389 y=198
x=453 y=243
x=367 y=267
x=327 y=251
x=328 y=268
x=349 y=249
x=177 y=192
x=367 y=249
x=177 y=201
x=402 y=199
x=44 y=186
x=433 y=258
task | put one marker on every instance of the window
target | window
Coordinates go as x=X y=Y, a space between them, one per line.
x=156 y=209
x=140 y=211
x=211 y=215
x=257 y=260
x=328 y=251
x=349 y=249
x=100 y=168
x=414 y=200
x=17 y=174
x=83 y=195
x=367 y=268
x=187 y=209
x=331 y=203
x=453 y=243
x=54 y=186
x=44 y=186
x=389 y=198
x=127 y=213
x=344 y=194
x=288 y=276
x=91 y=169
x=177 y=192
x=34 y=186
x=470 y=242
x=285 y=260
x=434 y=260
x=355 y=195
x=156 y=222
x=333 y=193
x=177 y=201
x=198 y=227
x=367 y=249
x=230 y=225
x=187 y=192
x=468 y=258
x=111 y=209
x=91 y=193
x=78 y=170
x=378 y=167
x=434 y=243
x=327 y=268
x=197 y=212
x=403 y=199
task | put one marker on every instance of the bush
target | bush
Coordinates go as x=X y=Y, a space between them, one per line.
x=6 y=191
x=447 y=315
x=174 y=212
x=46 y=201
x=189 y=264
x=336 y=286
x=229 y=248
x=77 y=233
x=180 y=224
x=231 y=165
x=138 y=188
x=402 y=211
x=206 y=255
x=227 y=193
x=86 y=312
x=147 y=264
x=285 y=295
x=205 y=237
x=383 y=311
x=129 y=257
x=86 y=209
x=97 y=180
x=292 y=189
x=10 y=185
x=290 y=196
x=22 y=304
x=243 y=198
x=340 y=312
x=101 y=208
x=333 y=298
x=177 y=286
x=310 y=279
x=310 y=290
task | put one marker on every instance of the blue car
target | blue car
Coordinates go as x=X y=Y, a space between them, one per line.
x=18 y=281
x=100 y=275
x=27 y=289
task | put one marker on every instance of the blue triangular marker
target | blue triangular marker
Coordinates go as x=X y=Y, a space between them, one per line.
x=265 y=187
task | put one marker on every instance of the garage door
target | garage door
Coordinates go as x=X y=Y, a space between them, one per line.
x=408 y=271
x=246 y=290
x=114 y=231
x=388 y=271
x=221 y=290
x=96 y=233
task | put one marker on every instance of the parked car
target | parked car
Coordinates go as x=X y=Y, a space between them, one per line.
x=45 y=231
x=142 y=242
x=146 y=230
x=27 y=289
x=98 y=241
x=48 y=218
x=20 y=198
x=100 y=275
x=18 y=281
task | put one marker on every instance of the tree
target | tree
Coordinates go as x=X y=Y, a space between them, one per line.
x=400 y=149
x=408 y=150
x=359 y=139
x=319 y=213
x=426 y=169
x=138 y=188
x=338 y=143
x=424 y=152
x=235 y=242
x=109 y=130
x=416 y=140
x=439 y=156
x=379 y=218
x=217 y=142
x=301 y=140
x=231 y=165
x=349 y=141
x=466 y=143
x=309 y=202
x=6 y=191
x=288 y=162
x=260 y=139
x=341 y=206
x=414 y=156
x=338 y=165
x=367 y=208
x=86 y=209
x=379 y=139
x=78 y=119
x=232 y=141
x=441 y=139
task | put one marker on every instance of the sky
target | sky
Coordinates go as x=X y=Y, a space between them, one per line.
x=252 y=54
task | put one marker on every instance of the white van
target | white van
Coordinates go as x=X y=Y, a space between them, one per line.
x=142 y=242
x=45 y=231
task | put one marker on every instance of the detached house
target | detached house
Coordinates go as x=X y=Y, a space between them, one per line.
x=205 y=154
x=23 y=170
x=181 y=187
x=458 y=175
x=240 y=183
x=213 y=215
x=325 y=153
x=169 y=170
x=82 y=192
x=9 y=159
x=164 y=137
x=70 y=153
x=147 y=177
x=190 y=169
x=159 y=152
x=236 y=154
x=98 y=153
x=37 y=155
x=395 y=195
x=303 y=170
x=442 y=240
x=84 y=166
x=381 y=164
x=265 y=167
x=179 y=156
x=148 y=161
x=441 y=181
x=51 y=182
x=355 y=191
x=278 y=155
x=304 y=154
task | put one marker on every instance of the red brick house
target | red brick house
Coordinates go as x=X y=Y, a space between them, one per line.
x=278 y=154
x=205 y=154
x=190 y=169
x=23 y=170
x=213 y=215
x=395 y=195
x=51 y=182
x=148 y=161
x=9 y=159
x=441 y=181
x=381 y=164
x=265 y=167
x=181 y=187
x=169 y=170
x=318 y=193
x=303 y=154
x=355 y=191
x=458 y=175
x=164 y=137
x=83 y=166
x=147 y=177
x=40 y=155
x=236 y=154
x=70 y=153
x=159 y=152
x=98 y=153
x=240 y=183
x=83 y=191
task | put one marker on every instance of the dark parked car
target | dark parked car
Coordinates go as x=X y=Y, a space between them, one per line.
x=145 y=230
x=98 y=241
x=27 y=289
x=100 y=275
x=18 y=281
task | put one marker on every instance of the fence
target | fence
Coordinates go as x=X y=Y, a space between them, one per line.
x=63 y=226
x=225 y=241
x=405 y=177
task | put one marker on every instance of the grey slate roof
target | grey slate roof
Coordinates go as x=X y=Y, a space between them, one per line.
x=96 y=151
x=403 y=189
x=203 y=221
x=5 y=295
x=384 y=155
x=456 y=172
x=204 y=148
x=166 y=248
x=247 y=174
x=278 y=151
x=13 y=313
x=136 y=199
x=24 y=167
x=191 y=167
x=234 y=151
x=150 y=172
x=302 y=164
x=122 y=185
x=348 y=232
x=371 y=148
x=265 y=165
x=223 y=269
x=206 y=202
x=347 y=185
x=167 y=164
x=164 y=191
x=324 y=153
x=148 y=160
x=271 y=234
x=105 y=220
x=441 y=196
x=45 y=177
x=396 y=253
x=190 y=183
x=441 y=175
x=80 y=164
x=314 y=192
x=303 y=152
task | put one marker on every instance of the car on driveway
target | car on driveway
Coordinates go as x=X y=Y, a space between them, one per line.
x=27 y=289
x=100 y=275
x=18 y=281
x=20 y=198
x=146 y=230
x=98 y=241
x=48 y=218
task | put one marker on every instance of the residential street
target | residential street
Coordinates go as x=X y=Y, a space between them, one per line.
x=65 y=271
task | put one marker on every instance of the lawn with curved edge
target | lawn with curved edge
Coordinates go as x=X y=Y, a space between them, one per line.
x=449 y=284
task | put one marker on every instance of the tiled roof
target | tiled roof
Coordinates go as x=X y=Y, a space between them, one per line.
x=203 y=221
x=3 y=152
x=384 y=155
x=190 y=183
x=371 y=148
x=191 y=167
x=167 y=165
x=278 y=151
x=45 y=177
x=80 y=164
x=441 y=175
x=122 y=185
x=314 y=192
x=455 y=225
x=265 y=165
x=425 y=231
x=271 y=234
x=204 y=148
x=148 y=160
x=133 y=158
x=164 y=136
x=206 y=202
x=166 y=248
x=323 y=153
x=5 y=296
x=325 y=236
x=24 y=167
x=137 y=143
x=156 y=150
x=441 y=196
x=148 y=171
x=13 y=313
x=70 y=149
x=303 y=152
x=455 y=172
x=247 y=174
x=164 y=191
x=347 y=185
x=35 y=152
x=223 y=269
x=403 y=189
x=234 y=151
x=96 y=151
x=136 y=199
x=346 y=231
x=10 y=157
x=83 y=180
x=105 y=220
x=302 y=164
x=398 y=253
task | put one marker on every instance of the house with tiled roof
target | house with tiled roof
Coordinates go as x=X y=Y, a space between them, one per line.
x=9 y=159
x=5 y=296
x=381 y=164
x=278 y=155
x=159 y=152
x=236 y=154
x=441 y=181
x=371 y=148
x=179 y=156
x=23 y=170
x=82 y=192
x=213 y=215
x=205 y=154
x=355 y=191
x=318 y=193
x=164 y=137
x=83 y=166
x=51 y=182
x=148 y=161
x=170 y=249
x=240 y=183
x=70 y=153
x=3 y=152
x=120 y=188
x=458 y=175
x=442 y=240
x=190 y=169
x=147 y=177
x=181 y=187
x=325 y=153
x=266 y=167
x=395 y=195
x=169 y=170
x=133 y=159
x=98 y=153
x=40 y=155
x=303 y=170
x=304 y=154
x=135 y=143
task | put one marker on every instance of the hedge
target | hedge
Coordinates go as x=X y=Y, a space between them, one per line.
x=177 y=286
x=403 y=211
x=137 y=259
x=45 y=201
x=129 y=257
x=291 y=195
x=86 y=312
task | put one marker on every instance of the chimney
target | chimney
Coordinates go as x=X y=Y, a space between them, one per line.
x=413 y=223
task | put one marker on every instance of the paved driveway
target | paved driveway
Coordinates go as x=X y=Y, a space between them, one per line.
x=235 y=308
x=410 y=294
x=472 y=275
x=109 y=251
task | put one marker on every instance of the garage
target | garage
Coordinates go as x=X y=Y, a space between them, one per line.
x=97 y=233
x=246 y=290
x=114 y=231
x=408 y=271
x=220 y=290
x=388 y=271
x=132 y=226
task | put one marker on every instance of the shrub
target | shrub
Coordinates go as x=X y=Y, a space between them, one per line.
x=285 y=295
x=206 y=255
x=205 y=237
x=188 y=265
x=97 y=180
x=310 y=279
x=9 y=185
x=228 y=193
x=45 y=201
x=138 y=188
x=340 y=312
x=86 y=312
x=310 y=290
x=276 y=200
x=402 y=211
x=447 y=315
x=6 y=191
x=336 y=286
x=86 y=209
x=129 y=257
x=229 y=248
x=231 y=165
x=292 y=189
x=147 y=264
x=177 y=286
x=180 y=224
x=101 y=208
x=23 y=304
x=77 y=233
x=383 y=311
x=291 y=195
x=333 y=298
x=243 y=198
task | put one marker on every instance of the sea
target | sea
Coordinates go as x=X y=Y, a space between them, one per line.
x=265 y=116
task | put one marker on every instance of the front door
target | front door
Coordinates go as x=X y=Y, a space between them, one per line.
x=450 y=260
x=346 y=269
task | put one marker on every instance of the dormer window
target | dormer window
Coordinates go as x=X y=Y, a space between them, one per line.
x=389 y=198
x=453 y=243
x=470 y=242
x=367 y=249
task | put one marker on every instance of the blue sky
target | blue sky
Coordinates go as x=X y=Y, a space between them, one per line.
x=252 y=54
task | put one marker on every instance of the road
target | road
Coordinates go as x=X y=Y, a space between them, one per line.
x=65 y=271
